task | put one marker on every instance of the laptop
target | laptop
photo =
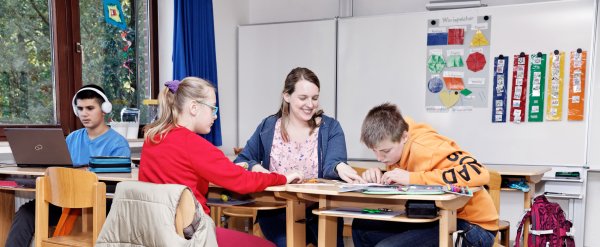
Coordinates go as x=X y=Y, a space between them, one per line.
x=43 y=147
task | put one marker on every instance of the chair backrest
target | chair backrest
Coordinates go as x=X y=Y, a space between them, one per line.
x=70 y=188
x=156 y=215
x=185 y=211
x=493 y=188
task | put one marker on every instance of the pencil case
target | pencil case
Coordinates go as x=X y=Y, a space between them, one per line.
x=110 y=164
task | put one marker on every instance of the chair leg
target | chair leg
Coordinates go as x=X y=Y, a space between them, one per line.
x=505 y=237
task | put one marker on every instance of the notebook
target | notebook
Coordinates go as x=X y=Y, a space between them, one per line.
x=38 y=147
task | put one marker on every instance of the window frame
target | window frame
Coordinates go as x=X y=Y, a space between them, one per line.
x=65 y=34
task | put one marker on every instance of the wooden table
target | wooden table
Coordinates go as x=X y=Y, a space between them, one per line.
x=532 y=175
x=7 y=195
x=328 y=197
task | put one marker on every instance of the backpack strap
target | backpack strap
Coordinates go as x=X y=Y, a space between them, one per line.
x=567 y=233
x=526 y=216
x=540 y=232
x=457 y=238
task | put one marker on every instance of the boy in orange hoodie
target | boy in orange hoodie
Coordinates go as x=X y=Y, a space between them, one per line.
x=414 y=153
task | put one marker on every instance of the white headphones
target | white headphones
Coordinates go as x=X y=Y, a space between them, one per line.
x=106 y=105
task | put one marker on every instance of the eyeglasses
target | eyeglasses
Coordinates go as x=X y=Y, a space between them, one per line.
x=215 y=109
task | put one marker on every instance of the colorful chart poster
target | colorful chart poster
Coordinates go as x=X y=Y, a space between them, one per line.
x=555 y=86
x=537 y=82
x=577 y=85
x=458 y=63
x=519 y=88
x=499 y=97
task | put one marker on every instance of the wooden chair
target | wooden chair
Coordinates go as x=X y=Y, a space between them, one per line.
x=184 y=215
x=503 y=236
x=70 y=188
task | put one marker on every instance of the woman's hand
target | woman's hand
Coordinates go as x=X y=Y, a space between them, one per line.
x=396 y=176
x=372 y=175
x=259 y=168
x=293 y=178
x=348 y=174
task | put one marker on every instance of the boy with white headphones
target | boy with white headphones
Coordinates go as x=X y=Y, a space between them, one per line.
x=90 y=104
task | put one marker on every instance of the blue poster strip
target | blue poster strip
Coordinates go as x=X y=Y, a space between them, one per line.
x=499 y=95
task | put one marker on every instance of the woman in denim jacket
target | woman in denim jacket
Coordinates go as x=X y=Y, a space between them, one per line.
x=299 y=137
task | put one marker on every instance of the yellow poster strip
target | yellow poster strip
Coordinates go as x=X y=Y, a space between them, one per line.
x=577 y=85
x=554 y=95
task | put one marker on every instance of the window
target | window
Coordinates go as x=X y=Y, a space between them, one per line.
x=49 y=55
x=26 y=81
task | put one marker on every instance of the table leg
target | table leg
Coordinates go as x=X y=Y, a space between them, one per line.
x=7 y=211
x=220 y=216
x=295 y=223
x=447 y=226
x=213 y=214
x=327 y=231
x=527 y=205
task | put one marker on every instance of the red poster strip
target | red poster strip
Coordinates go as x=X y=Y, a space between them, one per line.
x=519 y=88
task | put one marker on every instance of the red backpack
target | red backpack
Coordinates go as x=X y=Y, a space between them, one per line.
x=549 y=227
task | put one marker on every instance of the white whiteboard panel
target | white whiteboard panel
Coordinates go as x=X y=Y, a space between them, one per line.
x=267 y=53
x=593 y=150
x=382 y=59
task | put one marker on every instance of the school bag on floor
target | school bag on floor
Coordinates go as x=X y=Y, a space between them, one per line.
x=549 y=227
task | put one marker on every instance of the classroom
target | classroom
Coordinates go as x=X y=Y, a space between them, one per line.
x=509 y=82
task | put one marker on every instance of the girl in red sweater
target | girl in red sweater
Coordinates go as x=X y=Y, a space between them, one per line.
x=173 y=153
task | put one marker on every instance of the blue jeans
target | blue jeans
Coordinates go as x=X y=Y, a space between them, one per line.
x=387 y=234
x=23 y=225
x=270 y=222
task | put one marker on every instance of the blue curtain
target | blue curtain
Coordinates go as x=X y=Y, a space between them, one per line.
x=194 y=49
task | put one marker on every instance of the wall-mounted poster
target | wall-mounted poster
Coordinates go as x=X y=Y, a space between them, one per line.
x=458 y=62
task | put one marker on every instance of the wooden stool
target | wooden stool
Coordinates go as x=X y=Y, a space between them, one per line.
x=504 y=232
x=246 y=214
x=247 y=211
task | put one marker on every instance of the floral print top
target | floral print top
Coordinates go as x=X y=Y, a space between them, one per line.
x=293 y=156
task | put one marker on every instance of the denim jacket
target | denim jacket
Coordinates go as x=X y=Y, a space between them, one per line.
x=331 y=145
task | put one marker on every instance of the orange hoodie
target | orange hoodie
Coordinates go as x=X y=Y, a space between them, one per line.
x=435 y=159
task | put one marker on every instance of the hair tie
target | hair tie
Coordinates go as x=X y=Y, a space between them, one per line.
x=173 y=85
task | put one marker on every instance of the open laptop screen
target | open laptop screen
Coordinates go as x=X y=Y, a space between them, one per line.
x=38 y=147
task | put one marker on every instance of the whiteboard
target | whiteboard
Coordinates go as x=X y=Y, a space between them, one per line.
x=382 y=59
x=593 y=150
x=267 y=53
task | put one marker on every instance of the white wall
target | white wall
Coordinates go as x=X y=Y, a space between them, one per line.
x=592 y=214
x=165 y=41
x=228 y=15
x=266 y=11
x=380 y=7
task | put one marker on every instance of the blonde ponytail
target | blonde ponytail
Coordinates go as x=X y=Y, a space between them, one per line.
x=171 y=101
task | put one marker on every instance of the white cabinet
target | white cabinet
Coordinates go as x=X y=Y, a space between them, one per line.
x=570 y=194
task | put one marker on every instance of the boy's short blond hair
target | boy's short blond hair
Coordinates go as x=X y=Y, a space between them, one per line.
x=382 y=122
